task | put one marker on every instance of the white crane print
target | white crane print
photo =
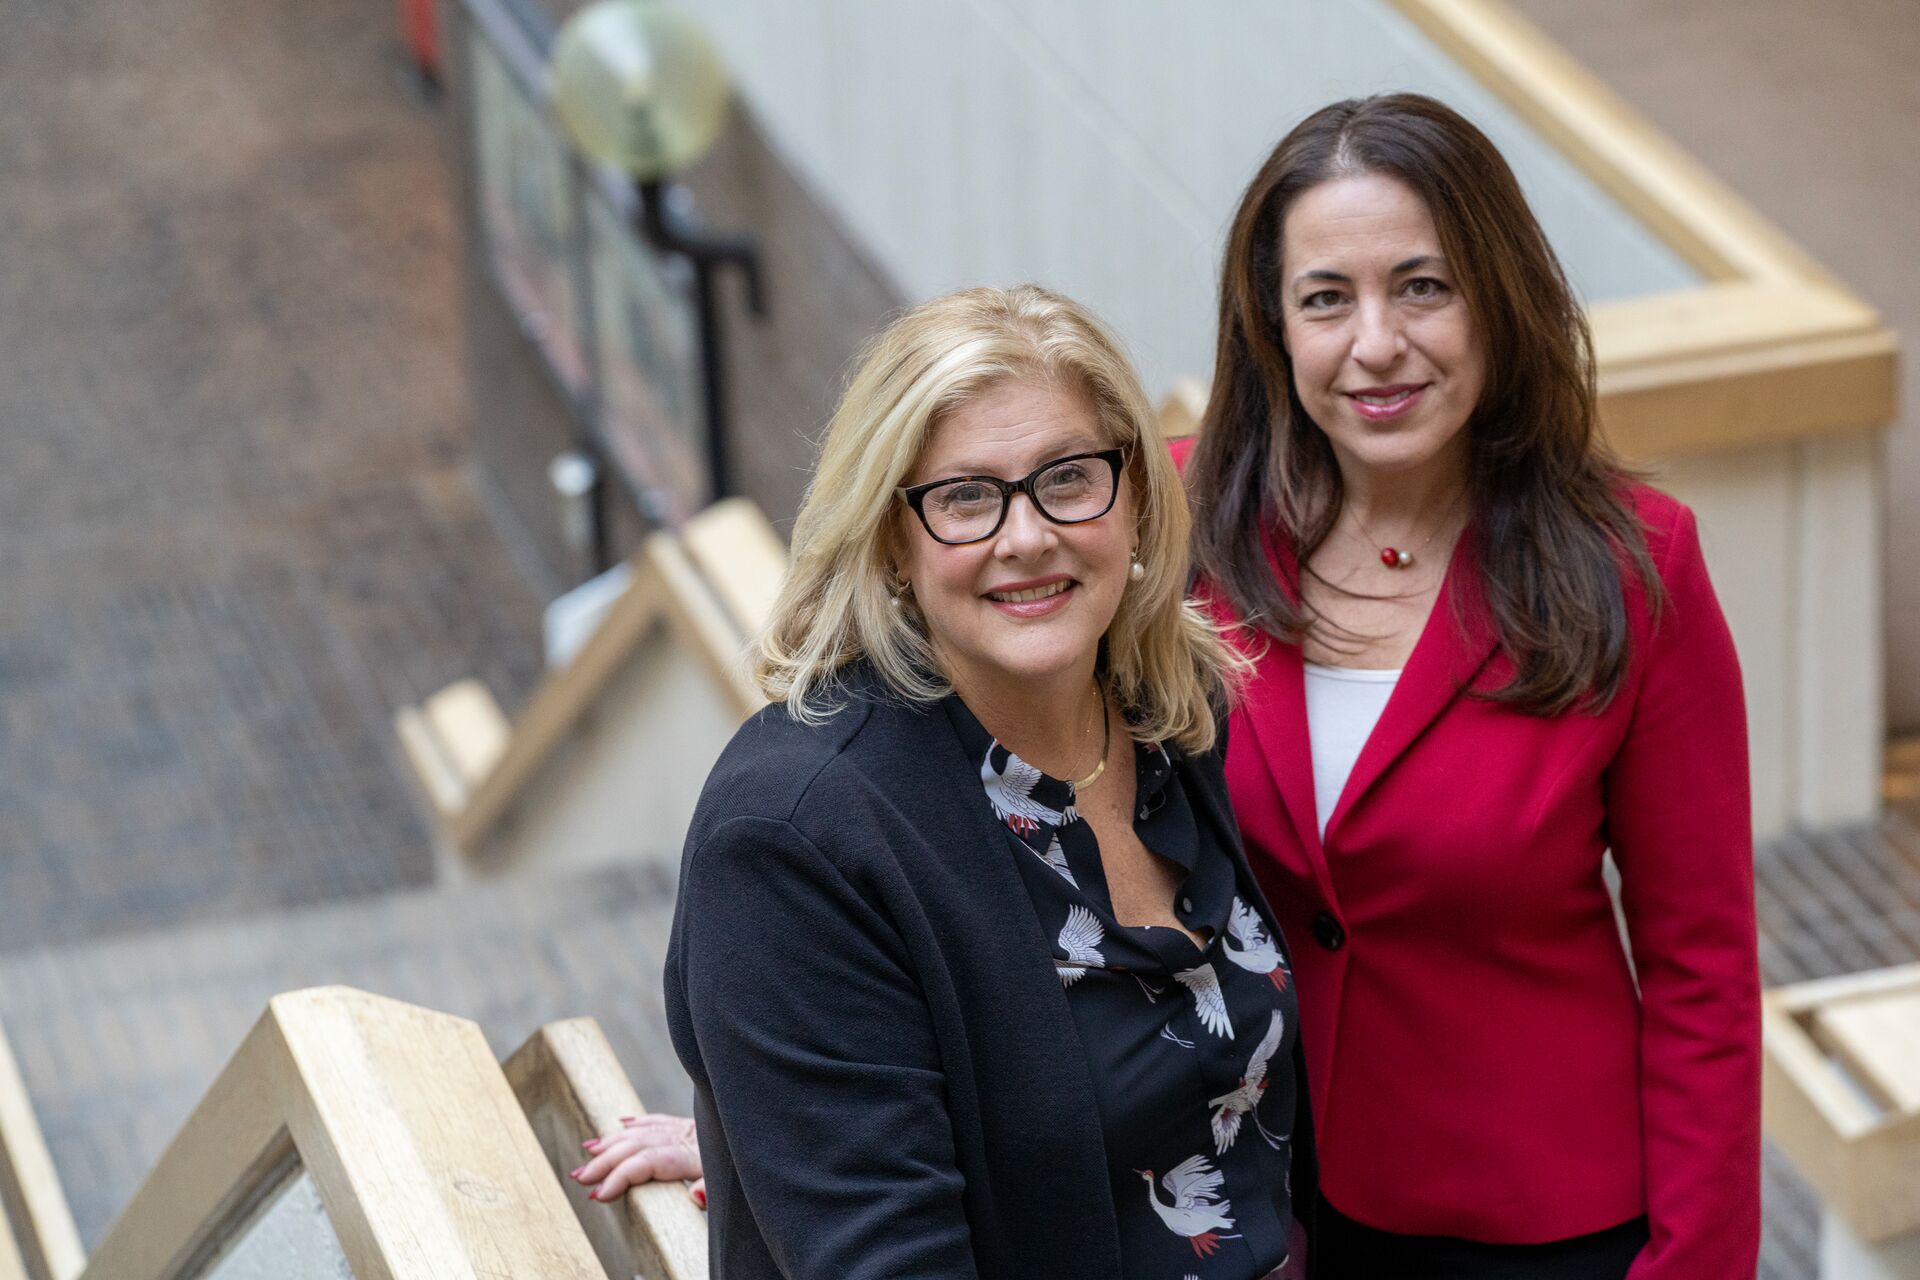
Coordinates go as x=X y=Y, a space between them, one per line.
x=1056 y=857
x=1208 y=1000
x=1245 y=1100
x=1080 y=938
x=1011 y=794
x=1197 y=1211
x=1248 y=945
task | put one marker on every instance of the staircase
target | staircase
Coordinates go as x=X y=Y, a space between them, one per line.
x=117 y=1041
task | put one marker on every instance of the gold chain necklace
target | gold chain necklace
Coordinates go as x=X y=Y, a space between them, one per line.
x=1106 y=744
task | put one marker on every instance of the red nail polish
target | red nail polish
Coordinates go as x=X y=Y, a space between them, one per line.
x=700 y=1197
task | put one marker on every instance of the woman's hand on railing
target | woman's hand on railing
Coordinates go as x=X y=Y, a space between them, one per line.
x=649 y=1148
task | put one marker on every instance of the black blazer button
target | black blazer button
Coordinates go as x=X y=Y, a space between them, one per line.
x=1327 y=931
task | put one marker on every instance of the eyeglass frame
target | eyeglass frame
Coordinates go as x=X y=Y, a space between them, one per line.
x=915 y=495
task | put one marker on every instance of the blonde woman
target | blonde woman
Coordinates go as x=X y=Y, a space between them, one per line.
x=968 y=969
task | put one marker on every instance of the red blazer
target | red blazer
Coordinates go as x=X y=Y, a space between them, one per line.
x=1480 y=1063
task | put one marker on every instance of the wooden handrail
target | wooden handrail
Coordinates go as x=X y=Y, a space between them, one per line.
x=43 y=1243
x=712 y=582
x=1695 y=214
x=421 y=1157
x=572 y=1088
x=12 y=1265
x=1770 y=347
x=1841 y=1096
x=742 y=560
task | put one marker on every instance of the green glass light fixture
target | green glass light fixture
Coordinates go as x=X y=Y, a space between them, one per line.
x=638 y=86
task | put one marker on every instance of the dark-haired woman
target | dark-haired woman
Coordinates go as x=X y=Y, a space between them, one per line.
x=1486 y=656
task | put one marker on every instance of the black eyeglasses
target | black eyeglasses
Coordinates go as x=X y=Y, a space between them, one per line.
x=1070 y=490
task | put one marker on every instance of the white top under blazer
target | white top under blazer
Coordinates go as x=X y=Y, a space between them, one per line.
x=1343 y=705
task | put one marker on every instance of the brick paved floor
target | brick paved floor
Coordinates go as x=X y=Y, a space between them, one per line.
x=235 y=525
x=236 y=521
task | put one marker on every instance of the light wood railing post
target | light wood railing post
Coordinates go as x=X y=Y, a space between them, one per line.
x=572 y=1088
x=43 y=1243
x=421 y=1157
x=695 y=599
x=1842 y=1099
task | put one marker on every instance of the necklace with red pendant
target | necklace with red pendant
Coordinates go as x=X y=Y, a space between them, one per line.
x=1399 y=557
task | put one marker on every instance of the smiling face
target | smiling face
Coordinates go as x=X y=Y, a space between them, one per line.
x=1027 y=606
x=1385 y=356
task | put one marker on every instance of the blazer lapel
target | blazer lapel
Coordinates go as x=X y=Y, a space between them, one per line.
x=1456 y=643
x=1276 y=705
x=972 y=855
x=1276 y=709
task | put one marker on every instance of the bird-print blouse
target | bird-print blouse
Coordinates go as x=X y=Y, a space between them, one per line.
x=1190 y=1047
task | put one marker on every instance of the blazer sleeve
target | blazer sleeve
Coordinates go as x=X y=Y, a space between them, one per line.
x=819 y=1051
x=1681 y=833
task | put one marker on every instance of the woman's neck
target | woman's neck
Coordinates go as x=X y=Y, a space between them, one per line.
x=1401 y=502
x=1051 y=723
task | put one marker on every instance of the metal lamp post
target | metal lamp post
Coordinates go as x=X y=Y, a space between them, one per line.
x=640 y=90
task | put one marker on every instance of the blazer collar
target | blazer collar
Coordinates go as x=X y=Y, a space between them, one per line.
x=1457 y=642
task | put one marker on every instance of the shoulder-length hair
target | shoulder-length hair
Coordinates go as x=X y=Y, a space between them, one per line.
x=1552 y=530
x=1164 y=662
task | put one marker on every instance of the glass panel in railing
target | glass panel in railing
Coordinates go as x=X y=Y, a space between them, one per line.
x=524 y=185
x=286 y=1236
x=651 y=417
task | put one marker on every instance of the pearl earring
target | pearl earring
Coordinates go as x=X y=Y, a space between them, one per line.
x=1137 y=571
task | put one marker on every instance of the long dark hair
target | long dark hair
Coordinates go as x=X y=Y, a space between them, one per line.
x=1552 y=530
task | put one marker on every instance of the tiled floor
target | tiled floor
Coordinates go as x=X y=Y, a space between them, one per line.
x=1840 y=901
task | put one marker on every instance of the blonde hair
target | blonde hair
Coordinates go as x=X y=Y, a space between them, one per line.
x=1166 y=665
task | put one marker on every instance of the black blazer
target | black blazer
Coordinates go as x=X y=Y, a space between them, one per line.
x=886 y=1075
